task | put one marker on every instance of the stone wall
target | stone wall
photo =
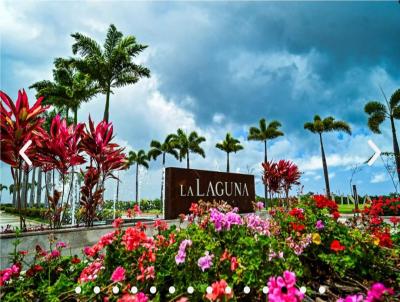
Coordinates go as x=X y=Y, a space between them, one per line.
x=75 y=238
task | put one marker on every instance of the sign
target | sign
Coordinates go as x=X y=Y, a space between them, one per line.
x=185 y=186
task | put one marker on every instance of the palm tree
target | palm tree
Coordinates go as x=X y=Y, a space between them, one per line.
x=157 y=149
x=111 y=66
x=319 y=126
x=263 y=134
x=230 y=144
x=139 y=159
x=187 y=144
x=378 y=112
x=2 y=187
x=69 y=89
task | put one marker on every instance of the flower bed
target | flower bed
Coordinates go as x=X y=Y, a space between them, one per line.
x=295 y=255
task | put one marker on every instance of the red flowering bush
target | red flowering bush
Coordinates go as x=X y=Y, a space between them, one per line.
x=383 y=206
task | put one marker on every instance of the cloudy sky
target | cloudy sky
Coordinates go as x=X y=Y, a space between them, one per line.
x=219 y=67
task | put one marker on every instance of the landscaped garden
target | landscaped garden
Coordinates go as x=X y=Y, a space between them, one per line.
x=296 y=254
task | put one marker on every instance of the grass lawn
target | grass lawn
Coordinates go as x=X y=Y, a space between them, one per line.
x=348 y=208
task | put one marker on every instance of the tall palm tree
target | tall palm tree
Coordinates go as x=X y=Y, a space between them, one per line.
x=263 y=134
x=157 y=149
x=139 y=158
x=68 y=90
x=378 y=112
x=111 y=66
x=319 y=126
x=188 y=144
x=2 y=187
x=230 y=144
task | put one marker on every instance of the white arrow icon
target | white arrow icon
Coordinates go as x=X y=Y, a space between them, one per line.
x=376 y=155
x=22 y=152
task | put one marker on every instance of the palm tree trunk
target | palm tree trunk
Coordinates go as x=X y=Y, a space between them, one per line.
x=32 y=195
x=118 y=181
x=187 y=160
x=395 y=148
x=265 y=185
x=66 y=113
x=107 y=108
x=325 y=167
x=227 y=162
x=75 y=115
x=25 y=189
x=14 y=173
x=14 y=195
x=39 y=188
x=137 y=182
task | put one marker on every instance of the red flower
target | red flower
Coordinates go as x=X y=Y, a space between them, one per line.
x=160 y=225
x=225 y=256
x=117 y=222
x=297 y=227
x=335 y=215
x=133 y=238
x=75 y=260
x=336 y=246
x=322 y=202
x=234 y=264
x=384 y=238
x=298 y=213
x=219 y=292
x=136 y=209
x=194 y=209
x=376 y=220
x=395 y=220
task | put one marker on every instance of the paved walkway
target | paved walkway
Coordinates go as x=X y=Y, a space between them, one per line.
x=13 y=220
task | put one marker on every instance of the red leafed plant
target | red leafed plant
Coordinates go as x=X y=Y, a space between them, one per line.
x=106 y=155
x=54 y=211
x=281 y=176
x=19 y=124
x=91 y=195
x=60 y=149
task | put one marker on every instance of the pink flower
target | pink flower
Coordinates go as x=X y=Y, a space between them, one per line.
x=181 y=256
x=352 y=298
x=376 y=292
x=139 y=297
x=61 y=244
x=205 y=262
x=88 y=251
x=117 y=222
x=319 y=225
x=55 y=254
x=259 y=206
x=90 y=272
x=118 y=274
x=283 y=289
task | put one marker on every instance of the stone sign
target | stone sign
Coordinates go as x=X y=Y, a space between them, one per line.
x=185 y=186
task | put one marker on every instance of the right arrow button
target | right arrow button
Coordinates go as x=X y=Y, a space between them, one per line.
x=376 y=155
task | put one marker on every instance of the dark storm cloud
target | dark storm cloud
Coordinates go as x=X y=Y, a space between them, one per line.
x=335 y=37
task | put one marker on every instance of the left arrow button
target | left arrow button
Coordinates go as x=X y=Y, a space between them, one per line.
x=23 y=150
